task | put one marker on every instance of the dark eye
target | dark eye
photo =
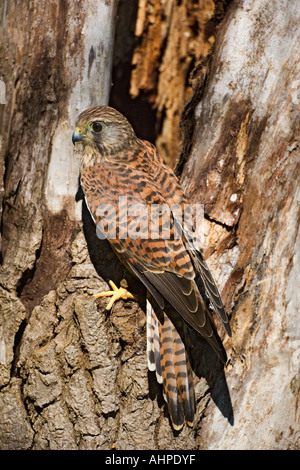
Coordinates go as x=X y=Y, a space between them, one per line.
x=96 y=127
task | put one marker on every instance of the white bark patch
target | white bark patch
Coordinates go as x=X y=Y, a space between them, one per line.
x=92 y=80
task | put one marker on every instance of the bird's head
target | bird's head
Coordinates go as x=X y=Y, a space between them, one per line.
x=103 y=129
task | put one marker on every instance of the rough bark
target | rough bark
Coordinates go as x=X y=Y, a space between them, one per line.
x=53 y=56
x=244 y=166
x=72 y=377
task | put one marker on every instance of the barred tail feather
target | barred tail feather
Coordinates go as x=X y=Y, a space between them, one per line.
x=153 y=346
x=168 y=357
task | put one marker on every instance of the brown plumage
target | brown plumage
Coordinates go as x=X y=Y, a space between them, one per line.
x=116 y=164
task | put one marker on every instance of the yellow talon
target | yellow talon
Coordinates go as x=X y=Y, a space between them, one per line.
x=115 y=294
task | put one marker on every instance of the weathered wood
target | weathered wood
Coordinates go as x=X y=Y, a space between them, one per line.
x=169 y=39
x=244 y=166
x=56 y=60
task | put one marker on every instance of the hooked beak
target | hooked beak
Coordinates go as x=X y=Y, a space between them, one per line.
x=77 y=136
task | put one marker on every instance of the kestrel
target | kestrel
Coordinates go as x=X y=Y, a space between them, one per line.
x=119 y=171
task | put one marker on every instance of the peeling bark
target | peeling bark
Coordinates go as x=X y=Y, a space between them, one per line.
x=244 y=166
x=153 y=64
x=50 y=75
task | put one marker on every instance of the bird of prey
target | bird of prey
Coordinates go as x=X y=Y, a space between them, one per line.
x=119 y=171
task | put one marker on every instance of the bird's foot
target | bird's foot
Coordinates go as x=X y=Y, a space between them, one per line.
x=115 y=294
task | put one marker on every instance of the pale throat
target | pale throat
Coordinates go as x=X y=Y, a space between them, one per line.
x=90 y=157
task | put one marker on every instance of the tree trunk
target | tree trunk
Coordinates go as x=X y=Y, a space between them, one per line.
x=70 y=376
x=56 y=60
x=244 y=166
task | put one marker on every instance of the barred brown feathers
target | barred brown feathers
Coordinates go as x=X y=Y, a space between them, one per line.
x=120 y=172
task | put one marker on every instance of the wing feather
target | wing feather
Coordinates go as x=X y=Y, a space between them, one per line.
x=194 y=313
x=167 y=267
x=210 y=286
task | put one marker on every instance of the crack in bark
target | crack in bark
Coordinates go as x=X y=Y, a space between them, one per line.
x=229 y=228
x=16 y=348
